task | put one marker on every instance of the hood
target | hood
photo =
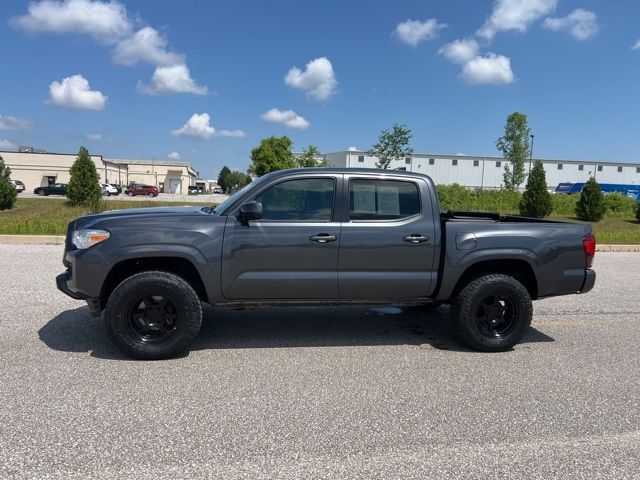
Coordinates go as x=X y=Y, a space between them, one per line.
x=142 y=215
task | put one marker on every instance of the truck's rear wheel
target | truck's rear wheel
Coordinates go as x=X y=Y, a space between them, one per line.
x=153 y=315
x=492 y=312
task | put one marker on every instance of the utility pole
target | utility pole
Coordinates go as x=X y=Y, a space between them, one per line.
x=531 y=152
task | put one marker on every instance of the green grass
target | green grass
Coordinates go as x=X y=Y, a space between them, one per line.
x=47 y=216
x=44 y=216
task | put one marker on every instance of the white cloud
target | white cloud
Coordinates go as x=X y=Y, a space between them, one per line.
x=515 y=15
x=93 y=136
x=198 y=126
x=7 y=145
x=75 y=93
x=146 y=45
x=490 y=69
x=106 y=22
x=174 y=155
x=414 y=31
x=172 y=79
x=318 y=80
x=230 y=133
x=460 y=51
x=581 y=24
x=8 y=122
x=636 y=46
x=353 y=149
x=288 y=118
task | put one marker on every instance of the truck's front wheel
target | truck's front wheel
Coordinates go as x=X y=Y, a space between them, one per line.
x=153 y=315
x=492 y=312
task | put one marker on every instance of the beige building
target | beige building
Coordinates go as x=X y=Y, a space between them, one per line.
x=167 y=175
x=43 y=168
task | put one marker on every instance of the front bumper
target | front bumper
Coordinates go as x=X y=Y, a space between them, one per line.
x=61 y=283
x=92 y=302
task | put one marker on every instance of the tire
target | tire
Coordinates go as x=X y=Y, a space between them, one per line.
x=492 y=312
x=151 y=194
x=42 y=193
x=130 y=194
x=135 y=333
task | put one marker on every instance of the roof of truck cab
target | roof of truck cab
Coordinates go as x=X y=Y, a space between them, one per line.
x=369 y=171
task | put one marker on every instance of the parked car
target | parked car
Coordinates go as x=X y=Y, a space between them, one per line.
x=217 y=190
x=324 y=236
x=140 y=189
x=117 y=187
x=52 y=189
x=18 y=185
x=108 y=189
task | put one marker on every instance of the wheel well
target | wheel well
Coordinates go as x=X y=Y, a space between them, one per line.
x=518 y=269
x=176 y=265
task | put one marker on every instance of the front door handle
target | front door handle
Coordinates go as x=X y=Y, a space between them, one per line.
x=416 y=238
x=323 y=238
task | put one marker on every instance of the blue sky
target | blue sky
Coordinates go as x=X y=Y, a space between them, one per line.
x=143 y=79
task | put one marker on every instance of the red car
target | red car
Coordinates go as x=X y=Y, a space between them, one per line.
x=140 y=189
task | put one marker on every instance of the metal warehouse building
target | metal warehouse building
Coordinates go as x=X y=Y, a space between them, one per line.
x=487 y=172
x=37 y=169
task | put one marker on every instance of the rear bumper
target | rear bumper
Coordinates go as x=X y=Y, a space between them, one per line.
x=589 y=281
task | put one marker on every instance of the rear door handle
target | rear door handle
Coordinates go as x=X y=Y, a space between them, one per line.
x=416 y=238
x=323 y=238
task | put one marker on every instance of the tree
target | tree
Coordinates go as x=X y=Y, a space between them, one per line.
x=236 y=180
x=84 y=187
x=222 y=178
x=638 y=211
x=536 y=200
x=273 y=153
x=590 y=206
x=8 y=192
x=515 y=147
x=311 y=157
x=392 y=145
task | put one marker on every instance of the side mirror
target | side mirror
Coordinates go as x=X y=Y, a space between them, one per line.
x=250 y=211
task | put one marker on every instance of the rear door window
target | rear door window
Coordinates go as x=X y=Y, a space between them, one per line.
x=371 y=199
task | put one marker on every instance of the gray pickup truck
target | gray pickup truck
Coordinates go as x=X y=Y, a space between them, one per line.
x=319 y=237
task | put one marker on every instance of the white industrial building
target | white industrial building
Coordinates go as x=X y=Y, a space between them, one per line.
x=487 y=172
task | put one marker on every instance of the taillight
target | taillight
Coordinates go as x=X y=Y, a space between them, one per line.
x=589 y=245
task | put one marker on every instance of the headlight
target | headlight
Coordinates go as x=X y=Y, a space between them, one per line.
x=87 y=238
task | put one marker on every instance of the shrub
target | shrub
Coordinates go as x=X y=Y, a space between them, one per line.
x=536 y=200
x=564 y=204
x=619 y=204
x=591 y=205
x=453 y=197
x=638 y=211
x=7 y=190
x=84 y=187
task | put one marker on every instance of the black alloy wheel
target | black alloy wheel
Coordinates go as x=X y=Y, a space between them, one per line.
x=154 y=318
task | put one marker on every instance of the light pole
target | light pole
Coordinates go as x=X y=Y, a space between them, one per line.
x=531 y=152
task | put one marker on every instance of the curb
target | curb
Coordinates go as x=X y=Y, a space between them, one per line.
x=32 y=239
x=59 y=240
x=617 y=248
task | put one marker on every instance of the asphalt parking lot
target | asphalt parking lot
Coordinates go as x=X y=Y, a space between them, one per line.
x=334 y=393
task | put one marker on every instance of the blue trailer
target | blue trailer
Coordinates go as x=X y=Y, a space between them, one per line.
x=631 y=191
